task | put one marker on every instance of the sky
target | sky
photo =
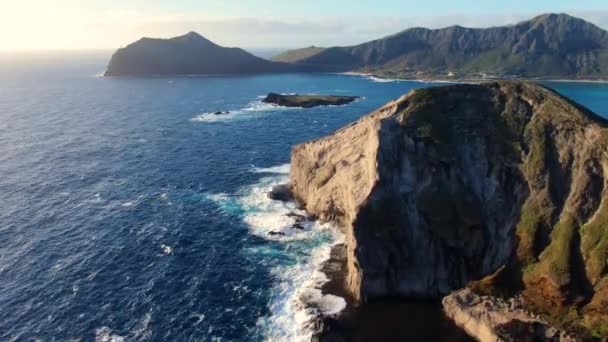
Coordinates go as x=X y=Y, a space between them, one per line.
x=95 y=24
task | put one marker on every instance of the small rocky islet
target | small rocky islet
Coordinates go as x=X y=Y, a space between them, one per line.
x=308 y=101
x=302 y=101
x=503 y=183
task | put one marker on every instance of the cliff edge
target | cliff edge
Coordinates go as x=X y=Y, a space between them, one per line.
x=449 y=185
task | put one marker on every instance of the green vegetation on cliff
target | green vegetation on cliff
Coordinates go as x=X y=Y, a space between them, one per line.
x=293 y=56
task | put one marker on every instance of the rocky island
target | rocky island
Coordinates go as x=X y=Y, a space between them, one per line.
x=189 y=54
x=308 y=101
x=500 y=188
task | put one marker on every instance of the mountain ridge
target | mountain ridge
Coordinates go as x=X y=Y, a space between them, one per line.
x=548 y=46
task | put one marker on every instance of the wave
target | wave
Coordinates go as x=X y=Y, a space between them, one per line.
x=296 y=300
x=310 y=302
x=253 y=109
x=128 y=204
x=383 y=80
x=429 y=81
x=141 y=332
x=280 y=169
x=167 y=250
x=376 y=79
x=104 y=334
x=442 y=81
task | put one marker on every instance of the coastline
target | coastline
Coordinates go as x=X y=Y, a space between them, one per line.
x=385 y=320
x=471 y=80
x=377 y=77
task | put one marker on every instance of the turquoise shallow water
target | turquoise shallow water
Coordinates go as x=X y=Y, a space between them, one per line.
x=129 y=213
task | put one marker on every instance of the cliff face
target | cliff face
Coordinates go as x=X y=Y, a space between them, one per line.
x=447 y=185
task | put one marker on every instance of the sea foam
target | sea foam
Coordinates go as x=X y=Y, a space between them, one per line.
x=280 y=169
x=296 y=301
x=382 y=80
x=254 y=109
x=104 y=334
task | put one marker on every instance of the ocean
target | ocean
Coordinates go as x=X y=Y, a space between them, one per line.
x=131 y=213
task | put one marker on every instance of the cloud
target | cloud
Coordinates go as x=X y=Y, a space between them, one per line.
x=298 y=32
x=54 y=28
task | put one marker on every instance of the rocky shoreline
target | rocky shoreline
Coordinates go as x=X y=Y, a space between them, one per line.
x=491 y=319
x=465 y=315
x=480 y=317
x=361 y=321
x=468 y=80
x=386 y=320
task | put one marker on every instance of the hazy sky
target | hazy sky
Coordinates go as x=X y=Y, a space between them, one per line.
x=97 y=24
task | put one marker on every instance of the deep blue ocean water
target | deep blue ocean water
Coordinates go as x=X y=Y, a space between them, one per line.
x=129 y=213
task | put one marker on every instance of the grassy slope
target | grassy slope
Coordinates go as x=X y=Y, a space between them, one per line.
x=561 y=262
x=293 y=56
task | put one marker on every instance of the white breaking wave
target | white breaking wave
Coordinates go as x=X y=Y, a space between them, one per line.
x=142 y=331
x=299 y=301
x=296 y=299
x=253 y=109
x=167 y=249
x=383 y=80
x=282 y=169
x=310 y=301
x=104 y=334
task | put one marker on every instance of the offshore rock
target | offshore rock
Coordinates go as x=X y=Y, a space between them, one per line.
x=308 y=101
x=281 y=192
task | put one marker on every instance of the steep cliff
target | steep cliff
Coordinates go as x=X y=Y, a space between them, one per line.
x=447 y=185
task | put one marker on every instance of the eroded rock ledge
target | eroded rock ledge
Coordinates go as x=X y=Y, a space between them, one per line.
x=490 y=319
x=446 y=185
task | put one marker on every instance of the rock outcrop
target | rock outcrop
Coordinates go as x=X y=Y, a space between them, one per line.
x=446 y=185
x=308 y=101
x=491 y=319
x=281 y=192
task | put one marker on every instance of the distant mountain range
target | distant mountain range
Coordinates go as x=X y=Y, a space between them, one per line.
x=547 y=46
x=550 y=45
